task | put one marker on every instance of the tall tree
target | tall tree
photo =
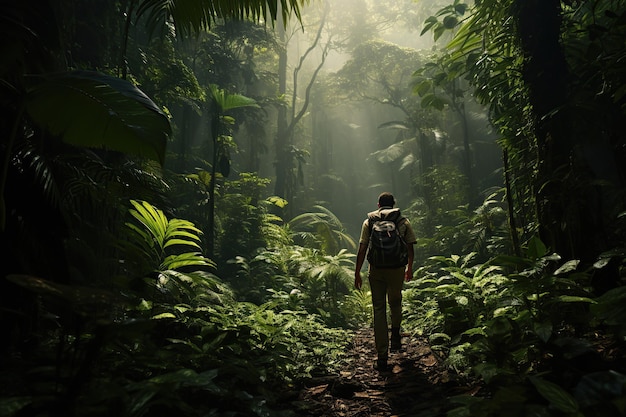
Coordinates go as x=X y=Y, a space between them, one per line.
x=549 y=71
x=545 y=73
x=222 y=102
x=288 y=156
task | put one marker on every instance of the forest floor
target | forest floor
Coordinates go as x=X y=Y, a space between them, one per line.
x=415 y=384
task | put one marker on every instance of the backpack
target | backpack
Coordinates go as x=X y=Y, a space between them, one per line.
x=387 y=248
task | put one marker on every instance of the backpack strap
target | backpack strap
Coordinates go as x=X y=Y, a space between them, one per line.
x=392 y=214
x=372 y=217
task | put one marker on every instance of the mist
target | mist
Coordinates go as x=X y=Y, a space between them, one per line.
x=184 y=182
x=359 y=58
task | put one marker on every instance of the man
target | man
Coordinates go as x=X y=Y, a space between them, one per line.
x=386 y=282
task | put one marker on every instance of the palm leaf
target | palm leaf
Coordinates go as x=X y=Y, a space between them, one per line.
x=153 y=220
x=177 y=229
x=396 y=125
x=346 y=238
x=391 y=153
x=158 y=233
x=323 y=227
x=174 y=262
x=226 y=101
x=192 y=16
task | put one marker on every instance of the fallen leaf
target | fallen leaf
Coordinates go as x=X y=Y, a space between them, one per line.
x=429 y=360
x=318 y=390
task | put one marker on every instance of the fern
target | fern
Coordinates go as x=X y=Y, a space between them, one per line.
x=323 y=230
x=157 y=237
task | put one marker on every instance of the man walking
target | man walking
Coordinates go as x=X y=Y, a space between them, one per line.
x=387 y=270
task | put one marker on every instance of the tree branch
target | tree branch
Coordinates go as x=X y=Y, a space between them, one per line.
x=297 y=69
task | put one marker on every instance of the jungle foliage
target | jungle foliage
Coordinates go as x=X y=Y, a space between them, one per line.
x=539 y=328
x=149 y=269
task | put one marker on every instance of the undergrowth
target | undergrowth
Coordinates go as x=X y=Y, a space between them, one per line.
x=529 y=330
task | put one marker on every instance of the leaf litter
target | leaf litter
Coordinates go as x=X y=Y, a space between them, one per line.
x=416 y=384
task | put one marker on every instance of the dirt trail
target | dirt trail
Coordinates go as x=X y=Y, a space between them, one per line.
x=415 y=384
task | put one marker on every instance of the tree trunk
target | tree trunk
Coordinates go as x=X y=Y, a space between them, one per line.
x=215 y=132
x=285 y=149
x=122 y=71
x=459 y=108
x=282 y=136
x=510 y=204
x=545 y=73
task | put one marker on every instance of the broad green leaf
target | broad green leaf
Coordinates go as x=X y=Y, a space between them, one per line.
x=536 y=248
x=543 y=330
x=601 y=263
x=567 y=267
x=557 y=396
x=499 y=326
x=574 y=299
x=428 y=24
x=277 y=201
x=185 y=343
x=449 y=22
x=475 y=331
x=594 y=388
x=434 y=101
x=423 y=87
x=91 y=109
x=439 y=30
x=164 y=316
x=460 y=8
x=486 y=370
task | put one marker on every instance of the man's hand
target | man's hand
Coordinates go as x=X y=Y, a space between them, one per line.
x=360 y=258
x=408 y=274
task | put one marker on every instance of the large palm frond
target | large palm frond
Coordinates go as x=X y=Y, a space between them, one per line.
x=226 y=101
x=169 y=248
x=155 y=233
x=324 y=228
x=192 y=16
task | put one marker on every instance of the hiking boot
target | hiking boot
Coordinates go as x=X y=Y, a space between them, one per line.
x=381 y=364
x=396 y=340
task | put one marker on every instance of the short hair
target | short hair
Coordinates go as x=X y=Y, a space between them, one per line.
x=386 y=200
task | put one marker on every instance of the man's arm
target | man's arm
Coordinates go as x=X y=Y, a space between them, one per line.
x=360 y=258
x=408 y=274
x=409 y=238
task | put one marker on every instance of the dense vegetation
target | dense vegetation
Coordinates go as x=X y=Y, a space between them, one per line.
x=180 y=201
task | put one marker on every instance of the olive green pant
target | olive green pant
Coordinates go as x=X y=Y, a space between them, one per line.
x=386 y=285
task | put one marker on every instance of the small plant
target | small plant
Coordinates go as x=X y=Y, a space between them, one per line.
x=524 y=327
x=356 y=307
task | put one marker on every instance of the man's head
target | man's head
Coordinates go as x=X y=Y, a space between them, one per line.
x=386 y=200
